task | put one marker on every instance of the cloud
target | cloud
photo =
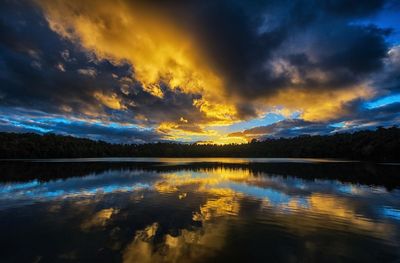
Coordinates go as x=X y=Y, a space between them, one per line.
x=90 y=72
x=161 y=56
x=284 y=128
x=230 y=52
x=362 y=118
x=23 y=120
x=389 y=79
x=386 y=115
x=153 y=64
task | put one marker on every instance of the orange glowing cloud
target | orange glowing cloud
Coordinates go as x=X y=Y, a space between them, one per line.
x=318 y=105
x=159 y=52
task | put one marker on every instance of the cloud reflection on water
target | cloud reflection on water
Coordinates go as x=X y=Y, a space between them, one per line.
x=219 y=200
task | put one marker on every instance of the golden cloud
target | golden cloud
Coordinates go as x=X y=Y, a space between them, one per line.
x=110 y=100
x=187 y=246
x=318 y=106
x=99 y=219
x=159 y=52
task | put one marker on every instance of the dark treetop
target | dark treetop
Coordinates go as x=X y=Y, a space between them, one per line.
x=380 y=145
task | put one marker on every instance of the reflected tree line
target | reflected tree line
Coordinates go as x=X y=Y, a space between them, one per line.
x=364 y=173
x=382 y=144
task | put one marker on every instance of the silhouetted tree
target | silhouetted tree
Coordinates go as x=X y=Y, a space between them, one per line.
x=382 y=144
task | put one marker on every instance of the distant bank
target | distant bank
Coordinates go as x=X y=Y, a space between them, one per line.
x=381 y=145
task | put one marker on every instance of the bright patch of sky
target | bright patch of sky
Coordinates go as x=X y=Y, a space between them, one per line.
x=267 y=119
x=388 y=17
x=383 y=101
x=338 y=124
x=48 y=124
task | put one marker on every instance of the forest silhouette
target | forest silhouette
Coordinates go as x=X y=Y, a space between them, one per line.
x=383 y=145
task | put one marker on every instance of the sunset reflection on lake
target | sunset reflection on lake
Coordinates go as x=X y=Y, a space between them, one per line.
x=157 y=211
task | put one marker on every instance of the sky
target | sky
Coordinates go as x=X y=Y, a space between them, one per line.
x=209 y=71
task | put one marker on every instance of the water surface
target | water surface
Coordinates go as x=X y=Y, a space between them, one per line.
x=199 y=210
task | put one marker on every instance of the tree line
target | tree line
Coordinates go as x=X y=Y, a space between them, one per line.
x=383 y=144
x=366 y=173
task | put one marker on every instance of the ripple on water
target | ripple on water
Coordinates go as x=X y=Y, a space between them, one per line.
x=280 y=211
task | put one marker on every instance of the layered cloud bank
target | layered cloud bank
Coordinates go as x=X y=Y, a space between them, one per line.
x=141 y=71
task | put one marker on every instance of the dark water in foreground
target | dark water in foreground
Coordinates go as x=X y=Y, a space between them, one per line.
x=199 y=210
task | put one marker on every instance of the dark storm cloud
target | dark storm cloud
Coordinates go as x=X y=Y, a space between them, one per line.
x=344 y=57
x=244 y=40
x=389 y=78
x=285 y=128
x=386 y=115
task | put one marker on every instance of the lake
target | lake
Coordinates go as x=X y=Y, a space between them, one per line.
x=199 y=210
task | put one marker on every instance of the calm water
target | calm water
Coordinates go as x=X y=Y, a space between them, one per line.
x=199 y=210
